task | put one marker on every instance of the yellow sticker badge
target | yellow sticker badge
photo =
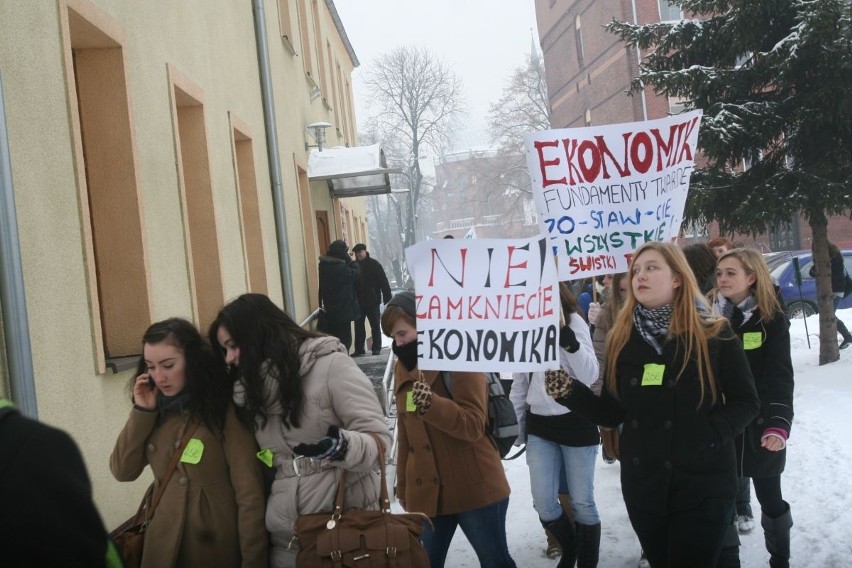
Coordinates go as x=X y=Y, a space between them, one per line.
x=752 y=340
x=653 y=375
x=265 y=456
x=193 y=451
x=409 y=402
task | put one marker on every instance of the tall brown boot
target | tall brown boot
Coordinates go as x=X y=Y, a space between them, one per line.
x=554 y=549
x=565 y=501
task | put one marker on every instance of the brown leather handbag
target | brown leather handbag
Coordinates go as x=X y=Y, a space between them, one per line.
x=129 y=537
x=358 y=538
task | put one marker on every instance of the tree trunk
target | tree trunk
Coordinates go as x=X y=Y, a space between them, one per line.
x=828 y=349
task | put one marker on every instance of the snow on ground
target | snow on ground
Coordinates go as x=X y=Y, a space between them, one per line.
x=815 y=483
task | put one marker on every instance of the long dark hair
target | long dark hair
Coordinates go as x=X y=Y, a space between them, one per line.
x=265 y=334
x=207 y=387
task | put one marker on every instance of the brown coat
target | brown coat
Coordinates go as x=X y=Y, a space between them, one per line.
x=211 y=513
x=445 y=463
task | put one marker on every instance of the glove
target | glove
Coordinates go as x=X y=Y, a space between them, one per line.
x=568 y=340
x=594 y=312
x=557 y=383
x=332 y=447
x=421 y=395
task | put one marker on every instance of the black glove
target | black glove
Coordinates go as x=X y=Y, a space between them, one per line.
x=332 y=446
x=568 y=340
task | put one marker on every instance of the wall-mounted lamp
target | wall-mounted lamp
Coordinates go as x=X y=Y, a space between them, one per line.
x=317 y=132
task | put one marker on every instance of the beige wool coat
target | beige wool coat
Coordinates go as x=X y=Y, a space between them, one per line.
x=336 y=392
x=446 y=464
x=211 y=513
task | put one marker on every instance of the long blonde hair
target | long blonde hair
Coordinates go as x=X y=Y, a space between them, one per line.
x=762 y=288
x=693 y=327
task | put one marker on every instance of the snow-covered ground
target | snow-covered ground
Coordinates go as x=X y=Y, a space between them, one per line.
x=816 y=482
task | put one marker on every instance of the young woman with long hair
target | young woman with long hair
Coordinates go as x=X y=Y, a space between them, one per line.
x=745 y=295
x=679 y=381
x=211 y=513
x=312 y=409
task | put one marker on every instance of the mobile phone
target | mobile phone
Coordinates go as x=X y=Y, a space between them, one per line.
x=151 y=383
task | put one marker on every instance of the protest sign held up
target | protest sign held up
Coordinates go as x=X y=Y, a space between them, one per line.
x=486 y=304
x=602 y=191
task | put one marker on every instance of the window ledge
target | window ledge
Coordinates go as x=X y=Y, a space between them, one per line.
x=288 y=45
x=120 y=364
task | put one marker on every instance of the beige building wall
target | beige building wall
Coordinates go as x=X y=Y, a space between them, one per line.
x=176 y=59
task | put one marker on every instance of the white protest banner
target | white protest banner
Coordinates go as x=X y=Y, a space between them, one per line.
x=602 y=191
x=485 y=304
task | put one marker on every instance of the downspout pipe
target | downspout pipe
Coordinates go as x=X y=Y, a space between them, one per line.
x=16 y=328
x=273 y=156
x=639 y=63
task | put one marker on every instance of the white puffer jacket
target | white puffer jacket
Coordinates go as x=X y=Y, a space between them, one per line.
x=336 y=392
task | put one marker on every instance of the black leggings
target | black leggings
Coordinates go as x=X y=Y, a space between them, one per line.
x=768 y=493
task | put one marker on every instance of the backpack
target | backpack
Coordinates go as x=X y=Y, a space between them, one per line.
x=501 y=424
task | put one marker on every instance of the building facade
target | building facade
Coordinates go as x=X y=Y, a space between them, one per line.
x=148 y=182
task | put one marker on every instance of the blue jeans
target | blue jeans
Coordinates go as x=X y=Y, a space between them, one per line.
x=546 y=460
x=485 y=529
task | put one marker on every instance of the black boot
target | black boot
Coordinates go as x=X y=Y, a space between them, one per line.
x=588 y=545
x=563 y=529
x=776 y=532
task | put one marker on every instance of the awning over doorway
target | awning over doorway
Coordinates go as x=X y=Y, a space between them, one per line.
x=351 y=172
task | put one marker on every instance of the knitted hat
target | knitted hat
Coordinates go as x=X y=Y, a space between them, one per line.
x=359 y=247
x=405 y=300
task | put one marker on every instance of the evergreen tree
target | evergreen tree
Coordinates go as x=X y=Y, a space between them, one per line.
x=774 y=79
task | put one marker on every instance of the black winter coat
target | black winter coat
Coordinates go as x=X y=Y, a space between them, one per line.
x=373 y=286
x=47 y=514
x=767 y=348
x=674 y=455
x=337 y=280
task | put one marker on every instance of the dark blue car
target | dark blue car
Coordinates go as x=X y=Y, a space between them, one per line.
x=781 y=267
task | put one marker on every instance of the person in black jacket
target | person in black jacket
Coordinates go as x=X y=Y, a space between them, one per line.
x=47 y=514
x=746 y=296
x=838 y=288
x=373 y=290
x=338 y=276
x=679 y=381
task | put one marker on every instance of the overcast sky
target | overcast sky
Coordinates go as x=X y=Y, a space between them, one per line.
x=483 y=41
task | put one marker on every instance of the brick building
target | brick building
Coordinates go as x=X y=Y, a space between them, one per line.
x=478 y=191
x=588 y=72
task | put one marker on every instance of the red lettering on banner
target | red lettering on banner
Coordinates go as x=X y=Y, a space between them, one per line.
x=436 y=256
x=544 y=164
x=510 y=266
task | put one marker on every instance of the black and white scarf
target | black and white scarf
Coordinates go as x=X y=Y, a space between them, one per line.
x=737 y=314
x=653 y=324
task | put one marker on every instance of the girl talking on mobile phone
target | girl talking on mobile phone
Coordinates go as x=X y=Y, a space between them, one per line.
x=212 y=511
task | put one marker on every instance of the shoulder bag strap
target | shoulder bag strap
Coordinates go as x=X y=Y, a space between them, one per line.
x=193 y=426
x=384 y=500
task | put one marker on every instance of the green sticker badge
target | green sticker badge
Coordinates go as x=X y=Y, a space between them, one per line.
x=193 y=451
x=265 y=456
x=752 y=340
x=409 y=402
x=653 y=375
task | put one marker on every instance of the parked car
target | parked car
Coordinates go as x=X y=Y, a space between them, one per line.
x=782 y=270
